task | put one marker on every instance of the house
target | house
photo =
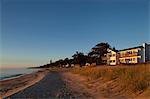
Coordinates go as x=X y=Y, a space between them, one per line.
x=139 y=54
x=134 y=55
x=131 y=55
x=112 y=57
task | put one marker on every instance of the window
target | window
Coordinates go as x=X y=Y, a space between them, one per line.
x=114 y=54
x=113 y=60
x=133 y=59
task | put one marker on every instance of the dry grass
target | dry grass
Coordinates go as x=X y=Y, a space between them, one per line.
x=131 y=78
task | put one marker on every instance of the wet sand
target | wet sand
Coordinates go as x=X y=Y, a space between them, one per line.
x=14 y=85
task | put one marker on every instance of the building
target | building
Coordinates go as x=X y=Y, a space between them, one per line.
x=139 y=54
x=131 y=55
x=146 y=51
x=112 y=57
x=134 y=55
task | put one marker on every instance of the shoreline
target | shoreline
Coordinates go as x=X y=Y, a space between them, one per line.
x=12 y=76
x=13 y=85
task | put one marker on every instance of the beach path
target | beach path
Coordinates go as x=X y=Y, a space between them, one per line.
x=51 y=86
x=66 y=85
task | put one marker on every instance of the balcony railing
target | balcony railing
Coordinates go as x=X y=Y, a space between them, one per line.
x=129 y=55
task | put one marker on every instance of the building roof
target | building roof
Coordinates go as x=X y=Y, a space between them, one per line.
x=131 y=48
x=112 y=49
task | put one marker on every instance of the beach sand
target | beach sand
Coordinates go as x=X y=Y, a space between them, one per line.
x=61 y=83
x=14 y=85
x=51 y=86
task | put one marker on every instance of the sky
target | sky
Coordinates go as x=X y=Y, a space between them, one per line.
x=35 y=31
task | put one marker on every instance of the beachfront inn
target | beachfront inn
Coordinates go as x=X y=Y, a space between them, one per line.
x=134 y=55
x=112 y=57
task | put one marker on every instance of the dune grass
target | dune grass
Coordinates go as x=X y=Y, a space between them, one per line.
x=131 y=78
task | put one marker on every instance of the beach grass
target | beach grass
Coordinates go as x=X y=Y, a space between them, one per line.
x=131 y=78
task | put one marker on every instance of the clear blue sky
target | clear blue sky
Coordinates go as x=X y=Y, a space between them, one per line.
x=34 y=31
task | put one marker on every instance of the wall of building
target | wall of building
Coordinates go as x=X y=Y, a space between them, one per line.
x=142 y=55
x=112 y=59
x=134 y=55
x=147 y=52
x=130 y=56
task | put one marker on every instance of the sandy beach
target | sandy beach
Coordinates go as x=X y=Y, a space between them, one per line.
x=61 y=83
x=14 y=85
x=53 y=85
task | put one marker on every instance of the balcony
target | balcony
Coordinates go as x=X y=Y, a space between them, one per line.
x=129 y=54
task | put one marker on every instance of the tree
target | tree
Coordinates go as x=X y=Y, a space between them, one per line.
x=79 y=58
x=101 y=48
x=58 y=63
x=50 y=61
x=114 y=49
x=98 y=51
x=67 y=62
x=90 y=59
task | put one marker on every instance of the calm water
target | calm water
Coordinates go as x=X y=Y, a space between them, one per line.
x=9 y=73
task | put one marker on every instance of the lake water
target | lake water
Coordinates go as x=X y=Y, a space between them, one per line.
x=10 y=73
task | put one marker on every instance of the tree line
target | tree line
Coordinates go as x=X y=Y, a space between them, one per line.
x=79 y=58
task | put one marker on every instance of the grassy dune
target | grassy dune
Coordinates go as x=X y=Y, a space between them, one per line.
x=131 y=78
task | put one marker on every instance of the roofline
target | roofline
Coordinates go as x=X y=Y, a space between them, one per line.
x=113 y=50
x=132 y=48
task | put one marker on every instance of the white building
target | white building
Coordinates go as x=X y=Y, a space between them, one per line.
x=134 y=55
x=112 y=57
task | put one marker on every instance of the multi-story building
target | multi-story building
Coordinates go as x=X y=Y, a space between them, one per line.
x=112 y=57
x=131 y=55
x=139 y=54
